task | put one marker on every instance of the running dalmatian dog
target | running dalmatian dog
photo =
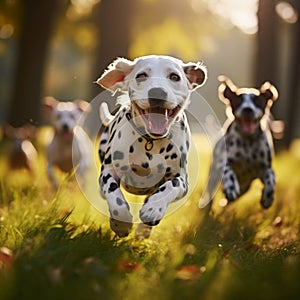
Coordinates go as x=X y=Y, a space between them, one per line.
x=144 y=145
x=244 y=153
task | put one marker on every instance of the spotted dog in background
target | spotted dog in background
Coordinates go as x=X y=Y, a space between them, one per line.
x=144 y=146
x=245 y=152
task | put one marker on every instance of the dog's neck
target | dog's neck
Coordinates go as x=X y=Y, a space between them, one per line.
x=66 y=138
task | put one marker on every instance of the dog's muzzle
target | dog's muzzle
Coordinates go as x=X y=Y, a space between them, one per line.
x=247 y=121
x=157 y=117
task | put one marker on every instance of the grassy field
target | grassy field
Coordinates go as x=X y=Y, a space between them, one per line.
x=54 y=245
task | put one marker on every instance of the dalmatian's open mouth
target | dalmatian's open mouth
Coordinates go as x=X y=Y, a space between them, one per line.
x=157 y=119
x=248 y=124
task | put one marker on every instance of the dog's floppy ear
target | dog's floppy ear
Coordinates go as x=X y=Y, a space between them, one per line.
x=269 y=92
x=196 y=73
x=49 y=103
x=82 y=105
x=113 y=78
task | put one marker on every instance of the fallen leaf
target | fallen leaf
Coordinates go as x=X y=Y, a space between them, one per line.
x=190 y=272
x=6 y=257
x=127 y=265
x=277 y=222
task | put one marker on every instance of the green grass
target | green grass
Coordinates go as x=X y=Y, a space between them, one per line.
x=63 y=248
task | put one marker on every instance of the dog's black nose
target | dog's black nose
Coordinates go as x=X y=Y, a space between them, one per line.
x=247 y=112
x=157 y=93
x=65 y=127
x=157 y=97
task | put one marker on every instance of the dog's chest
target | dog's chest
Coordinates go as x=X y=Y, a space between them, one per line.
x=142 y=163
x=248 y=157
x=60 y=155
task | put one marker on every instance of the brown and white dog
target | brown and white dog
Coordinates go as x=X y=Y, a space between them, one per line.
x=22 y=153
x=68 y=148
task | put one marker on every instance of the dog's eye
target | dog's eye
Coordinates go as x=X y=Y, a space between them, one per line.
x=174 y=77
x=141 y=77
x=260 y=102
x=58 y=116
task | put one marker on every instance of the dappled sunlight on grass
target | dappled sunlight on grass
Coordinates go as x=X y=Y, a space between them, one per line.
x=63 y=248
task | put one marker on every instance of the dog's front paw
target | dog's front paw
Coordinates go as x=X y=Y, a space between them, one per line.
x=153 y=210
x=269 y=188
x=267 y=198
x=121 y=228
x=231 y=187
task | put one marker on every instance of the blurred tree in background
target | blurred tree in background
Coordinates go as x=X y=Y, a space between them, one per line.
x=35 y=29
x=59 y=48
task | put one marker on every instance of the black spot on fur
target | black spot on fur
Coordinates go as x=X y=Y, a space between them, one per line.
x=119 y=134
x=118 y=155
x=131 y=149
x=105 y=178
x=112 y=187
x=103 y=141
x=182 y=162
x=140 y=139
x=107 y=161
x=162 y=188
x=145 y=165
x=149 y=155
x=101 y=155
x=169 y=147
x=112 y=136
x=187 y=145
x=175 y=182
x=115 y=212
x=160 y=168
x=167 y=157
x=119 y=201
x=173 y=156
x=162 y=150
x=182 y=125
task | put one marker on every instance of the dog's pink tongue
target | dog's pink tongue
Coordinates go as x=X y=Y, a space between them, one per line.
x=67 y=136
x=248 y=126
x=157 y=121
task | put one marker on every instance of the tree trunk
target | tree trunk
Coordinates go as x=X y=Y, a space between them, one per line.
x=266 y=42
x=293 y=83
x=112 y=18
x=36 y=27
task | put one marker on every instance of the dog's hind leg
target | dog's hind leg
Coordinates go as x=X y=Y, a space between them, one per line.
x=216 y=174
x=51 y=176
x=121 y=218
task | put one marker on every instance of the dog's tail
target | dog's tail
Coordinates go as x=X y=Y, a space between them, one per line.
x=105 y=115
